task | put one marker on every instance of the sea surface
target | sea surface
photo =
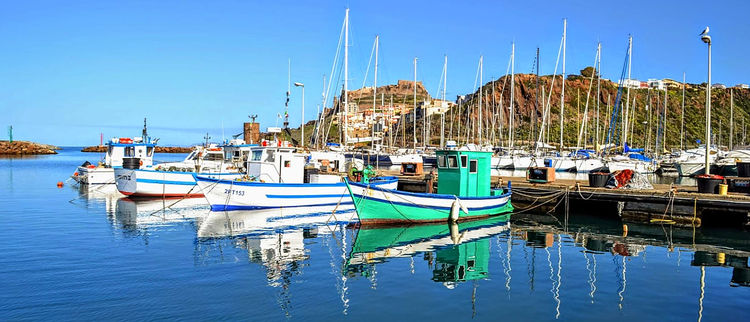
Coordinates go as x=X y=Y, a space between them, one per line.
x=88 y=254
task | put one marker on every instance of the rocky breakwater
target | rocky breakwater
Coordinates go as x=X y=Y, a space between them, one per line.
x=159 y=149
x=26 y=148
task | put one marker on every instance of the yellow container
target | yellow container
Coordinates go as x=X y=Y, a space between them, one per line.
x=723 y=189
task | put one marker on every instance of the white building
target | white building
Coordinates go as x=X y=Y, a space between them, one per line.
x=657 y=84
x=718 y=86
x=743 y=86
x=632 y=83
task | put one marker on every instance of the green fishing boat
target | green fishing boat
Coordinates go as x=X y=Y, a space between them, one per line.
x=464 y=192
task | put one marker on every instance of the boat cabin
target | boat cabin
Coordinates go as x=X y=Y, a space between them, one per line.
x=276 y=164
x=138 y=147
x=464 y=173
x=238 y=152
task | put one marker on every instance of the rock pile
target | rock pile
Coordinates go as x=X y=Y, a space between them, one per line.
x=26 y=148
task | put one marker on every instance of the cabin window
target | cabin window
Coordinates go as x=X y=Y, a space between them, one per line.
x=150 y=151
x=473 y=166
x=464 y=161
x=441 y=161
x=257 y=155
x=214 y=157
x=452 y=161
x=129 y=151
x=287 y=164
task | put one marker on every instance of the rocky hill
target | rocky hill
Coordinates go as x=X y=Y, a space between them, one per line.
x=528 y=112
x=576 y=88
x=26 y=148
x=401 y=93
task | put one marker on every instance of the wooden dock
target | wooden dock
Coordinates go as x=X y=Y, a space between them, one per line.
x=665 y=204
x=670 y=204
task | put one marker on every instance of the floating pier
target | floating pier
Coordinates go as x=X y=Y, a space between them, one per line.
x=665 y=204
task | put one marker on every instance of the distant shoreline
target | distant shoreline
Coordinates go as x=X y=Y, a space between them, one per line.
x=26 y=148
x=159 y=149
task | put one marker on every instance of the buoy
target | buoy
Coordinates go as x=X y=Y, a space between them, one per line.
x=721 y=258
x=75 y=174
x=456 y=209
x=624 y=230
x=59 y=184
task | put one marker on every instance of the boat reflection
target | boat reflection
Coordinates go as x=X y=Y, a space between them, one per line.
x=460 y=252
x=133 y=214
x=275 y=239
x=92 y=196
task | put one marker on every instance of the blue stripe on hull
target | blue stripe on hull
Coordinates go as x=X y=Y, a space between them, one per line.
x=236 y=207
x=184 y=183
x=305 y=196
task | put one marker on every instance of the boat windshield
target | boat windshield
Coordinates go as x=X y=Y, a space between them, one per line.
x=441 y=161
x=190 y=156
x=452 y=161
x=214 y=157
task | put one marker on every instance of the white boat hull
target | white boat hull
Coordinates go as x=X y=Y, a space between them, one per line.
x=162 y=184
x=688 y=169
x=525 y=162
x=502 y=162
x=562 y=164
x=94 y=176
x=588 y=165
x=634 y=165
x=238 y=195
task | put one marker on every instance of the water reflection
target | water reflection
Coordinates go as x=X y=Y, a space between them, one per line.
x=139 y=214
x=588 y=263
x=456 y=252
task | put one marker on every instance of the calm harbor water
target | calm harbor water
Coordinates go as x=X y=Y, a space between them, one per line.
x=79 y=254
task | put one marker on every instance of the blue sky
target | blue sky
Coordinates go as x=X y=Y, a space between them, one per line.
x=70 y=70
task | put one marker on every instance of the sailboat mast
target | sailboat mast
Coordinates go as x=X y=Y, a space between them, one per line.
x=682 y=117
x=414 y=120
x=512 y=91
x=346 y=79
x=375 y=92
x=666 y=110
x=627 y=97
x=598 y=88
x=536 y=100
x=480 y=109
x=442 y=115
x=562 y=96
x=731 y=119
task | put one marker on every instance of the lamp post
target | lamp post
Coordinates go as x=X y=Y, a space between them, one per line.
x=302 y=127
x=707 y=39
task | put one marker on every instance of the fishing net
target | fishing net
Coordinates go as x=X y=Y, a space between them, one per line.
x=628 y=179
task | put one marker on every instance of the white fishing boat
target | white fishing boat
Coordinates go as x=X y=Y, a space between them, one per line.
x=176 y=179
x=281 y=178
x=103 y=173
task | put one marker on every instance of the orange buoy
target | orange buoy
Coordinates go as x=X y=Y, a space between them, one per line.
x=59 y=184
x=75 y=174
